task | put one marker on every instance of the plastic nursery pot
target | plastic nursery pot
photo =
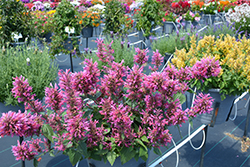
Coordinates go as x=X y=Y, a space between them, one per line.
x=87 y=32
x=209 y=19
x=117 y=163
x=5 y=109
x=221 y=109
x=168 y=27
x=167 y=57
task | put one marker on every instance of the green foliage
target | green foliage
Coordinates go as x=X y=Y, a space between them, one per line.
x=66 y=15
x=114 y=15
x=40 y=71
x=218 y=30
x=121 y=52
x=149 y=16
x=14 y=18
x=176 y=40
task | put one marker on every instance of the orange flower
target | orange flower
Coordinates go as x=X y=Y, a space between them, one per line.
x=80 y=22
x=224 y=3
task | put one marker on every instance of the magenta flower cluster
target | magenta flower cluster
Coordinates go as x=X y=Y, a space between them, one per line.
x=111 y=111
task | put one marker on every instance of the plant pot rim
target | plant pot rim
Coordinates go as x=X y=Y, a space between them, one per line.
x=214 y=90
x=74 y=36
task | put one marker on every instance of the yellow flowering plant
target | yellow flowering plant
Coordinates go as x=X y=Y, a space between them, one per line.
x=233 y=55
x=89 y=19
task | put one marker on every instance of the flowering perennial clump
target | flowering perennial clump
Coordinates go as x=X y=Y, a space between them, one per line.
x=232 y=54
x=240 y=15
x=123 y=111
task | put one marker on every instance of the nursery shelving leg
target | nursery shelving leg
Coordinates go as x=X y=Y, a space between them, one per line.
x=71 y=62
x=87 y=41
x=247 y=123
x=21 y=140
x=203 y=148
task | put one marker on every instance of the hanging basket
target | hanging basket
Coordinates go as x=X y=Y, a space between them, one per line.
x=46 y=38
x=221 y=109
x=71 y=41
x=87 y=32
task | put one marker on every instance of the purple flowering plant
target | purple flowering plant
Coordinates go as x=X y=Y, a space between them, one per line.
x=104 y=114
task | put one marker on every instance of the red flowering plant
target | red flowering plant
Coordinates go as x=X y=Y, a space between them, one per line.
x=180 y=7
x=169 y=16
x=165 y=4
x=122 y=114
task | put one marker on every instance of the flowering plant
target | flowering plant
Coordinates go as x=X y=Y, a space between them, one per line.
x=115 y=18
x=176 y=40
x=122 y=51
x=169 y=16
x=89 y=19
x=197 y=5
x=241 y=16
x=148 y=16
x=32 y=63
x=190 y=16
x=42 y=21
x=95 y=2
x=224 y=6
x=180 y=7
x=127 y=112
x=14 y=18
x=65 y=18
x=240 y=2
x=165 y=4
x=210 y=7
x=234 y=78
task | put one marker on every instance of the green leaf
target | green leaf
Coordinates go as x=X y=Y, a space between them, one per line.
x=102 y=152
x=48 y=132
x=74 y=156
x=141 y=143
x=107 y=130
x=82 y=147
x=145 y=139
x=126 y=154
x=96 y=157
x=157 y=151
x=35 y=162
x=111 y=156
x=51 y=153
x=145 y=157
x=181 y=97
x=136 y=157
x=142 y=151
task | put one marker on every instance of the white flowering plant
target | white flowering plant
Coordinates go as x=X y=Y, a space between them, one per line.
x=241 y=17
